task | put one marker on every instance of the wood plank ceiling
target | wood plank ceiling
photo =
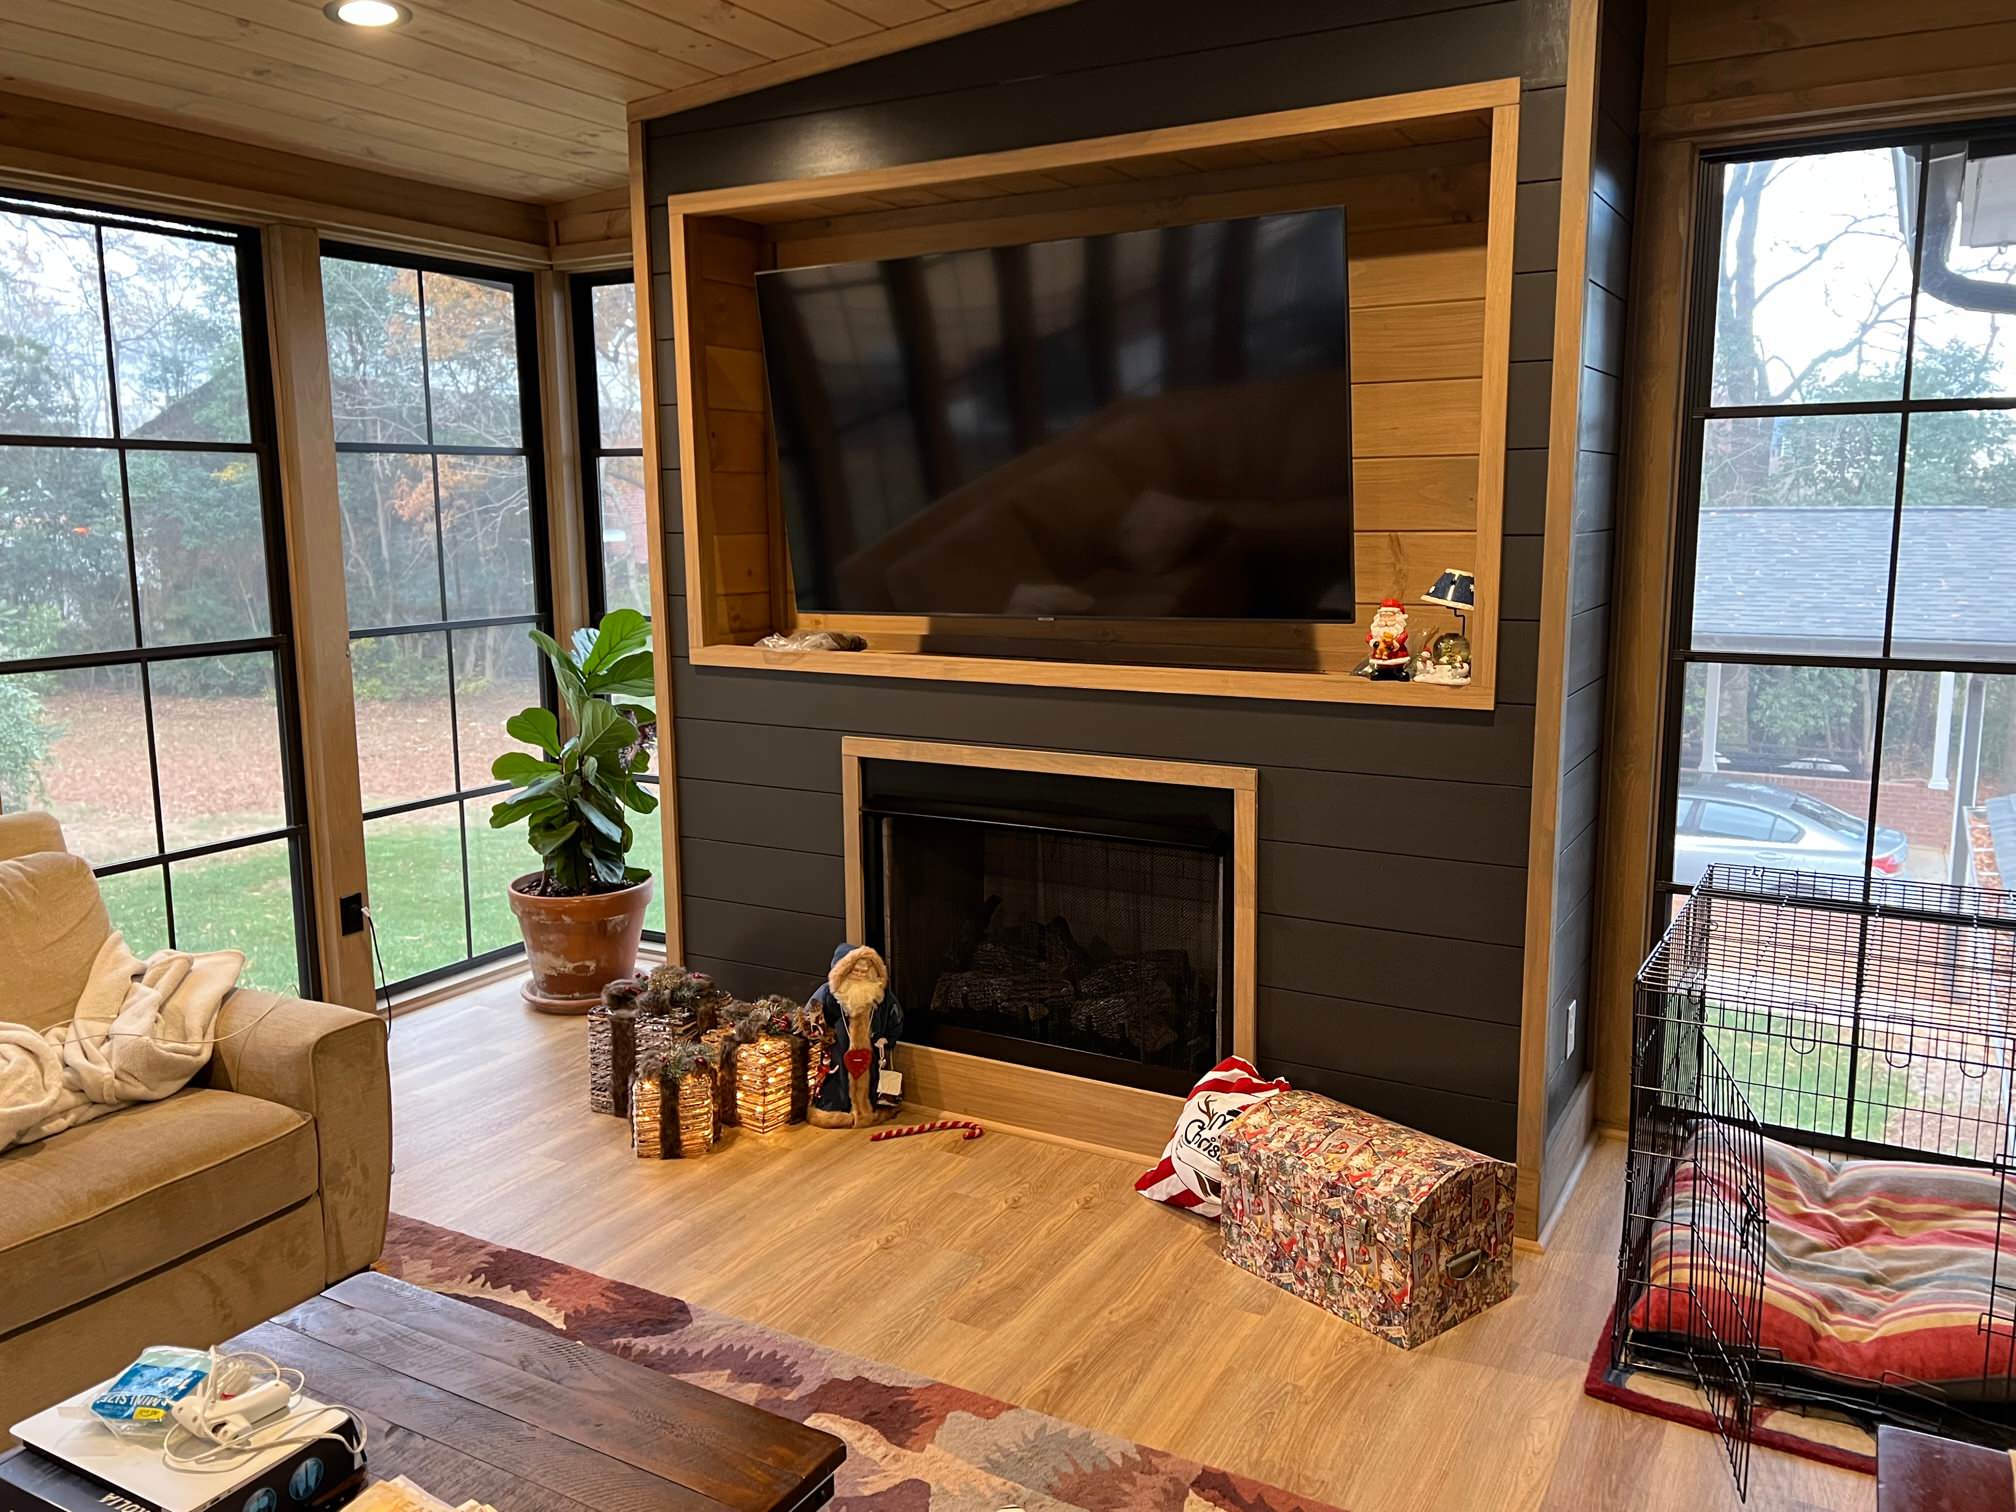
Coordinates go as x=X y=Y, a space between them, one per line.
x=527 y=99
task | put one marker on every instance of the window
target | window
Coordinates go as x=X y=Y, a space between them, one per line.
x=1842 y=690
x=612 y=490
x=146 y=693
x=444 y=559
x=612 y=441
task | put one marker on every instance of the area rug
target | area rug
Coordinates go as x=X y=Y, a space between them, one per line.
x=913 y=1444
x=1793 y=1430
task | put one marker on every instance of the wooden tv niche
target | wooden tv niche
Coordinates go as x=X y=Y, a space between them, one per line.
x=1428 y=182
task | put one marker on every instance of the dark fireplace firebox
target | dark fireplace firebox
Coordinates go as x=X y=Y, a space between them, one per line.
x=1073 y=924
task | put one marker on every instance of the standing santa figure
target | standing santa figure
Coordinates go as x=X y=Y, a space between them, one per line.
x=1387 y=639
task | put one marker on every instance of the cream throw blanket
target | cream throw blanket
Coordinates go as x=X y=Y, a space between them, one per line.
x=142 y=1029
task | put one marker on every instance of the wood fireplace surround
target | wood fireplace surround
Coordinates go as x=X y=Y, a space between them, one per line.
x=1039 y=1088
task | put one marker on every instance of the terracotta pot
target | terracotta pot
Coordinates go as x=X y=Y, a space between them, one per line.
x=578 y=946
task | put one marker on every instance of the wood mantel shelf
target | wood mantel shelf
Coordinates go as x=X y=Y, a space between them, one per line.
x=1226 y=682
x=1428 y=181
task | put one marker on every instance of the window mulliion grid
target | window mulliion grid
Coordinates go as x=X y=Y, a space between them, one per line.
x=440 y=483
x=1843 y=633
x=611 y=419
x=146 y=685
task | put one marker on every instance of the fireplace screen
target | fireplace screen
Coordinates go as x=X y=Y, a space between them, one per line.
x=1097 y=955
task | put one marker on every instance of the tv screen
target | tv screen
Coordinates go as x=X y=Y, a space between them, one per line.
x=1150 y=424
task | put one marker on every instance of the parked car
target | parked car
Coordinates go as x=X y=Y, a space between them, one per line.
x=1741 y=823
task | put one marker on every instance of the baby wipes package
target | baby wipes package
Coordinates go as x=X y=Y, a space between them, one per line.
x=136 y=1404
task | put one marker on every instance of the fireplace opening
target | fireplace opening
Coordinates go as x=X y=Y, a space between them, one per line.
x=1029 y=919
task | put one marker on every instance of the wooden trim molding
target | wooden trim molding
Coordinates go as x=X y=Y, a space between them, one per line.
x=661 y=578
x=1578 y=147
x=306 y=457
x=1642 y=602
x=1430 y=182
x=1237 y=131
x=1092 y=1112
x=566 y=521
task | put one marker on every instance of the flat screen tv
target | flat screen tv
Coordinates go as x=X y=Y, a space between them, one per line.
x=1145 y=425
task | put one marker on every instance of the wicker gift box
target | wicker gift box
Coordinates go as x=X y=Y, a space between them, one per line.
x=672 y=1117
x=721 y=1044
x=1399 y=1232
x=770 y=1083
x=612 y=1058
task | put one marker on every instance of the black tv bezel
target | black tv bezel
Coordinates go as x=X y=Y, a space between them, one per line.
x=997 y=617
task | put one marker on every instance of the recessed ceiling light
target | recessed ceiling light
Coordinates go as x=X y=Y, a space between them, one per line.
x=371 y=13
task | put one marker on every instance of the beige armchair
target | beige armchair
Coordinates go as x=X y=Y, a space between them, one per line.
x=187 y=1220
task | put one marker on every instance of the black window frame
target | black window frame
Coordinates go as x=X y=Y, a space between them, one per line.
x=588 y=421
x=262 y=444
x=1699 y=410
x=533 y=450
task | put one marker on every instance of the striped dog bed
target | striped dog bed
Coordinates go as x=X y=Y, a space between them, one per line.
x=1874 y=1269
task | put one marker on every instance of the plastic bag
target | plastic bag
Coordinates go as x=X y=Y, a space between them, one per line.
x=136 y=1404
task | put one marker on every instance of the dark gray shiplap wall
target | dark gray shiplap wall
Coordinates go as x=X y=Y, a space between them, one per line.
x=1620 y=65
x=1393 y=842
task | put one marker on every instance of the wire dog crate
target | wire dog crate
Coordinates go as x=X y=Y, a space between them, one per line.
x=1812 y=1057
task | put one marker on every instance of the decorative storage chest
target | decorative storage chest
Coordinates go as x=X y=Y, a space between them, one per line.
x=1396 y=1231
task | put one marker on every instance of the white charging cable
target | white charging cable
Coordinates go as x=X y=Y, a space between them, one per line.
x=244 y=1405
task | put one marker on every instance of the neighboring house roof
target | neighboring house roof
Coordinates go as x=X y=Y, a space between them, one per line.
x=1816 y=580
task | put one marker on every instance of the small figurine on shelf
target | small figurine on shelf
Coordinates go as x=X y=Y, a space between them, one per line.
x=860 y=1016
x=1386 y=642
x=1445 y=661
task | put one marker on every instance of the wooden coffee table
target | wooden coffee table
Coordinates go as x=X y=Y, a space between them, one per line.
x=468 y=1404
x=1916 y=1472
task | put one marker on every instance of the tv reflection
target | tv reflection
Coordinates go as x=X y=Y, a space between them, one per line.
x=1213 y=503
x=1142 y=425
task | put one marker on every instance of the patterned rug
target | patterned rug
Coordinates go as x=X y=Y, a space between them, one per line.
x=1808 y=1433
x=913 y=1444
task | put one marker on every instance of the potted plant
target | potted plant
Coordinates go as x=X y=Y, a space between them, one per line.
x=582 y=912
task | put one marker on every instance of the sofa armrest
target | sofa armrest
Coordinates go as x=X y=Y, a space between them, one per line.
x=329 y=1063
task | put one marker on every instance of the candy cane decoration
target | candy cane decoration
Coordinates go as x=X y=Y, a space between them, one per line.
x=972 y=1129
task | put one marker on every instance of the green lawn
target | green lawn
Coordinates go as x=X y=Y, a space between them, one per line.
x=1796 y=1075
x=242 y=900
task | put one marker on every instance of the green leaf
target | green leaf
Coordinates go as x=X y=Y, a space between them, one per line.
x=519 y=768
x=635 y=874
x=511 y=810
x=611 y=828
x=546 y=839
x=634 y=795
x=621 y=632
x=628 y=678
x=535 y=727
x=604 y=734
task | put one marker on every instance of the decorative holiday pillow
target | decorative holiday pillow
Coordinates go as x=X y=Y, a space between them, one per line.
x=1189 y=1175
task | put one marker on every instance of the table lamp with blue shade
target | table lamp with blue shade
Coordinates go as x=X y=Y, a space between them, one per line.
x=1447 y=657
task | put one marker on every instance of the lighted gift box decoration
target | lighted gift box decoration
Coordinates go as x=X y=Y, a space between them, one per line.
x=1446 y=658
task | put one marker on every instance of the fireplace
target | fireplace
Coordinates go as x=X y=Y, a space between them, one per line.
x=1063 y=922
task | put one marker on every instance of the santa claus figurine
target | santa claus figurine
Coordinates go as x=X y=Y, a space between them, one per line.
x=1387 y=639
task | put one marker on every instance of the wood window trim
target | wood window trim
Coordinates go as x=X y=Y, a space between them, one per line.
x=736 y=575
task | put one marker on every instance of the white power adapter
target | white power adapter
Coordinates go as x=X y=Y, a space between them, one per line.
x=230 y=1420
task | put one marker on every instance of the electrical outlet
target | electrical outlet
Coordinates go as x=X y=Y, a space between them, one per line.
x=1568 y=1048
x=350 y=913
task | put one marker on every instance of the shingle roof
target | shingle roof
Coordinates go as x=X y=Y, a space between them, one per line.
x=1816 y=580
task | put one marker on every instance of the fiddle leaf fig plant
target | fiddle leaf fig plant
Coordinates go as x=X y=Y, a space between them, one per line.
x=573 y=795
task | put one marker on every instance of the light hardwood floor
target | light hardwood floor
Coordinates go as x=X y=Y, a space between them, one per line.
x=1030 y=1270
